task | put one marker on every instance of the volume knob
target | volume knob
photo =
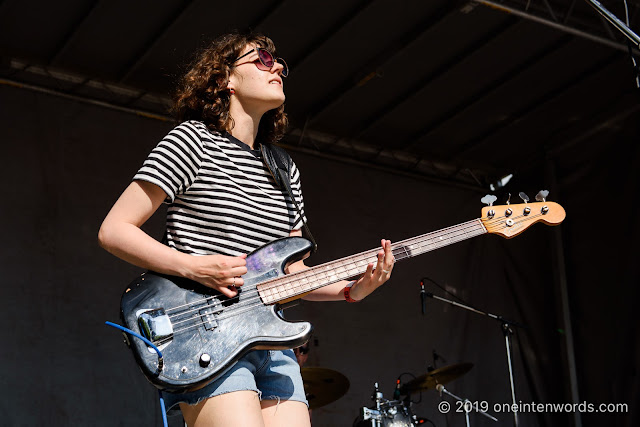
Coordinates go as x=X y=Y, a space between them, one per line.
x=205 y=359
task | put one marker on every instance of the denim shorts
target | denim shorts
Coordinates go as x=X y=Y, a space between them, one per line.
x=273 y=374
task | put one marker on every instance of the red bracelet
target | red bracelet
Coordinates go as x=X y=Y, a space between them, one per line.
x=347 y=293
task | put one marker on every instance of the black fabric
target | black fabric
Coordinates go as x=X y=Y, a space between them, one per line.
x=55 y=211
x=597 y=180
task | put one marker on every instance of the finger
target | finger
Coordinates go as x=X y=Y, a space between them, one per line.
x=232 y=261
x=237 y=281
x=379 y=263
x=237 y=261
x=369 y=270
x=227 y=291
x=387 y=248
x=238 y=271
x=388 y=255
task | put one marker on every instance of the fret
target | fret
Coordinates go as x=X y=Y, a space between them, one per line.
x=353 y=271
x=330 y=274
x=342 y=270
x=407 y=253
x=304 y=281
x=397 y=251
x=288 y=292
x=316 y=277
x=310 y=280
x=321 y=274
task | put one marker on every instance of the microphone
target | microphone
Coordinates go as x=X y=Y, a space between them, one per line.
x=396 y=392
x=423 y=297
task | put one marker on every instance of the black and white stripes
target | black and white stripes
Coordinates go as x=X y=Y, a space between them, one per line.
x=222 y=199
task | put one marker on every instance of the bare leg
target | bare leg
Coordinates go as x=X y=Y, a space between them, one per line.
x=236 y=409
x=286 y=413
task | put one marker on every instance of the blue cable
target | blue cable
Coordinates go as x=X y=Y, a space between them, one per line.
x=162 y=408
x=135 y=334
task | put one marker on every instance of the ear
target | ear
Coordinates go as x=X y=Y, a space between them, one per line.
x=229 y=78
x=230 y=87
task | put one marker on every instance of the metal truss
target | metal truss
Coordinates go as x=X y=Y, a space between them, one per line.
x=576 y=17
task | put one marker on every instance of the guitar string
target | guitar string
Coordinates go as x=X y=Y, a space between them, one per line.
x=249 y=294
x=397 y=253
x=248 y=305
x=254 y=294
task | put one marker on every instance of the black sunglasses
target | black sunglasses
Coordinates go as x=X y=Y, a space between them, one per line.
x=267 y=60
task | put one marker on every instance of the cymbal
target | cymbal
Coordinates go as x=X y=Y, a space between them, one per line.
x=323 y=386
x=438 y=376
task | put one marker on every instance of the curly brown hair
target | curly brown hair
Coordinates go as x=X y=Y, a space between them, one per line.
x=203 y=95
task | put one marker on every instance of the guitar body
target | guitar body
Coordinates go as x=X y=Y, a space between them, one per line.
x=206 y=332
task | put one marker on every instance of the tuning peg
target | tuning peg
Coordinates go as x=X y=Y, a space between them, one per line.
x=523 y=196
x=542 y=195
x=508 y=212
x=489 y=199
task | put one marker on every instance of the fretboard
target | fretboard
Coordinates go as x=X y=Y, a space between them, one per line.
x=302 y=282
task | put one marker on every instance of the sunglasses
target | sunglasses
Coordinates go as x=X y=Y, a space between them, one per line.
x=266 y=60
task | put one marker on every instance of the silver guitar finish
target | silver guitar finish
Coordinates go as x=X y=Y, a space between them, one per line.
x=200 y=332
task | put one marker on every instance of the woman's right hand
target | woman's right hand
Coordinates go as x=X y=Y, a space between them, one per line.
x=121 y=235
x=220 y=272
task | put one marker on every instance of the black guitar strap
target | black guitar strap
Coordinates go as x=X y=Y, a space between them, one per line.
x=279 y=164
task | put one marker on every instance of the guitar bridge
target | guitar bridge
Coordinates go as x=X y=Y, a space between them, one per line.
x=155 y=325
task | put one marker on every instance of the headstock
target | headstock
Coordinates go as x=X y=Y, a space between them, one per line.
x=510 y=220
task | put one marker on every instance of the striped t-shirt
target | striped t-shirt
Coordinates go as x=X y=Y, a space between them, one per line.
x=222 y=198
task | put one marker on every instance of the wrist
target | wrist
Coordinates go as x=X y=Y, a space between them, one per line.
x=185 y=265
x=347 y=292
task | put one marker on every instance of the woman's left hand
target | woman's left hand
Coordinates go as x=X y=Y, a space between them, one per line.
x=375 y=277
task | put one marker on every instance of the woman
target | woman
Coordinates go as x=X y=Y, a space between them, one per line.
x=223 y=204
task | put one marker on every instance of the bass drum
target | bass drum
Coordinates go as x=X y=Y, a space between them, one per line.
x=392 y=414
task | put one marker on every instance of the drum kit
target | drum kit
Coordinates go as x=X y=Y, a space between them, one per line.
x=324 y=386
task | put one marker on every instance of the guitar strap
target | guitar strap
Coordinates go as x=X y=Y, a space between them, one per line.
x=279 y=164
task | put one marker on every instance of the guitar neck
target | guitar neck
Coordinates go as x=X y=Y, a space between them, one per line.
x=294 y=285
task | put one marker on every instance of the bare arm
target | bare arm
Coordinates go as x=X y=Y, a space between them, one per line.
x=120 y=234
x=373 y=278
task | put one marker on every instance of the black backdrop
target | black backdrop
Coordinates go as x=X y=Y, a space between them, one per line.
x=66 y=162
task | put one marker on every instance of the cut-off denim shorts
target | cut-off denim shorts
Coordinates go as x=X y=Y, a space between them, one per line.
x=273 y=374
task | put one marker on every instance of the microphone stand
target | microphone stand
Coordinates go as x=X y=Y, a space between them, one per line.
x=505 y=325
x=466 y=403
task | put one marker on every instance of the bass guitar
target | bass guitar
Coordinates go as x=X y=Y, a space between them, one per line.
x=201 y=333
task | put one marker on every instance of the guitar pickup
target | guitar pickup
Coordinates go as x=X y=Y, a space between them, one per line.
x=155 y=325
x=207 y=315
